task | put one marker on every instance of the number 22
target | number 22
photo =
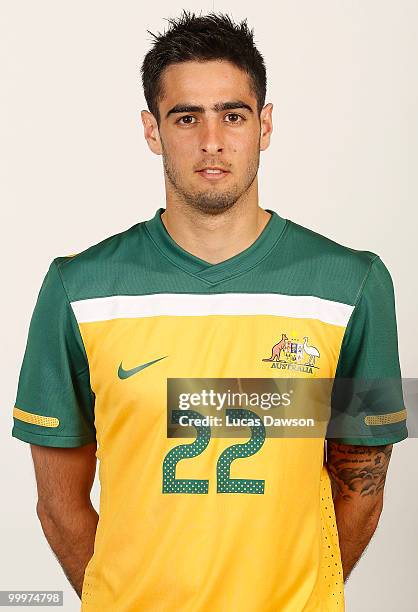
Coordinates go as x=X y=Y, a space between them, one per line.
x=225 y=484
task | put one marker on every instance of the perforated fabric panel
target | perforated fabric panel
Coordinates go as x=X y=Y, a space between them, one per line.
x=35 y=419
x=386 y=419
x=331 y=570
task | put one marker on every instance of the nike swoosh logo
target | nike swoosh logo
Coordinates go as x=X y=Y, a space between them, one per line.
x=127 y=373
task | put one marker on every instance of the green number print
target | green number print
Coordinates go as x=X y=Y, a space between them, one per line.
x=171 y=484
x=225 y=484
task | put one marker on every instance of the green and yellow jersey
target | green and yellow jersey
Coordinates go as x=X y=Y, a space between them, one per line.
x=176 y=531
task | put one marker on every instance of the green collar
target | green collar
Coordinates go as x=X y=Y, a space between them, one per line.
x=214 y=273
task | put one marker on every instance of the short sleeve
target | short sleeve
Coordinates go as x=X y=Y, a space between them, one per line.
x=54 y=402
x=367 y=406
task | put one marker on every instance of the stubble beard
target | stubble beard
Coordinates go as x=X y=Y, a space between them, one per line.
x=210 y=201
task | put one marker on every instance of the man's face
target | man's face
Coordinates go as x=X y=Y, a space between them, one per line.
x=208 y=119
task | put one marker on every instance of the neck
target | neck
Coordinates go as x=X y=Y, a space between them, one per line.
x=215 y=238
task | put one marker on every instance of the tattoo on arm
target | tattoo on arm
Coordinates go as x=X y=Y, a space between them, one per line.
x=357 y=470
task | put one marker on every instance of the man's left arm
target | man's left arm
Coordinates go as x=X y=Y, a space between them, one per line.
x=358 y=475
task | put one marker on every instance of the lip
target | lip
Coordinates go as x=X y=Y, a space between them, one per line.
x=213 y=177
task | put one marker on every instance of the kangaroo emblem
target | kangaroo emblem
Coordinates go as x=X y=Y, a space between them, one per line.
x=277 y=349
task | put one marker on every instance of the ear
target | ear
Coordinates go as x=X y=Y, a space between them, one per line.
x=266 y=121
x=151 y=132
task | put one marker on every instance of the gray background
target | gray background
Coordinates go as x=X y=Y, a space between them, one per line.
x=75 y=168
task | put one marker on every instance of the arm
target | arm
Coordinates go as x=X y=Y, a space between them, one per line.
x=64 y=478
x=357 y=476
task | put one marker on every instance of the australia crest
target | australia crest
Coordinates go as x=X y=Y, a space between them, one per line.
x=294 y=354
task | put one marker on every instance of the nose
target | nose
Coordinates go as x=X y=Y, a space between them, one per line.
x=212 y=141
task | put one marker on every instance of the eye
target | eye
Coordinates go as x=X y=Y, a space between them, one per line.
x=236 y=118
x=180 y=121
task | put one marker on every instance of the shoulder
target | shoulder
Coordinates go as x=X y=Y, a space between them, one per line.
x=319 y=245
x=91 y=271
x=338 y=270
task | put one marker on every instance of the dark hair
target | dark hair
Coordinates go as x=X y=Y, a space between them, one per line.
x=203 y=38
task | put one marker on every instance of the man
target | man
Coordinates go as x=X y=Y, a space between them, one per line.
x=212 y=287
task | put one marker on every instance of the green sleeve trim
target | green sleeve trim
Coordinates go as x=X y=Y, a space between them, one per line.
x=391 y=439
x=51 y=440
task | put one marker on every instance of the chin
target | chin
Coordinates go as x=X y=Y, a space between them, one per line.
x=213 y=204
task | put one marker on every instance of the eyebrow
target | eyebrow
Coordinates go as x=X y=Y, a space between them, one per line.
x=218 y=107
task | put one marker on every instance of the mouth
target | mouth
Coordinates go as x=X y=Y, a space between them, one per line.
x=213 y=174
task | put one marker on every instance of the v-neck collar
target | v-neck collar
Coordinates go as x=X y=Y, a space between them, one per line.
x=214 y=273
